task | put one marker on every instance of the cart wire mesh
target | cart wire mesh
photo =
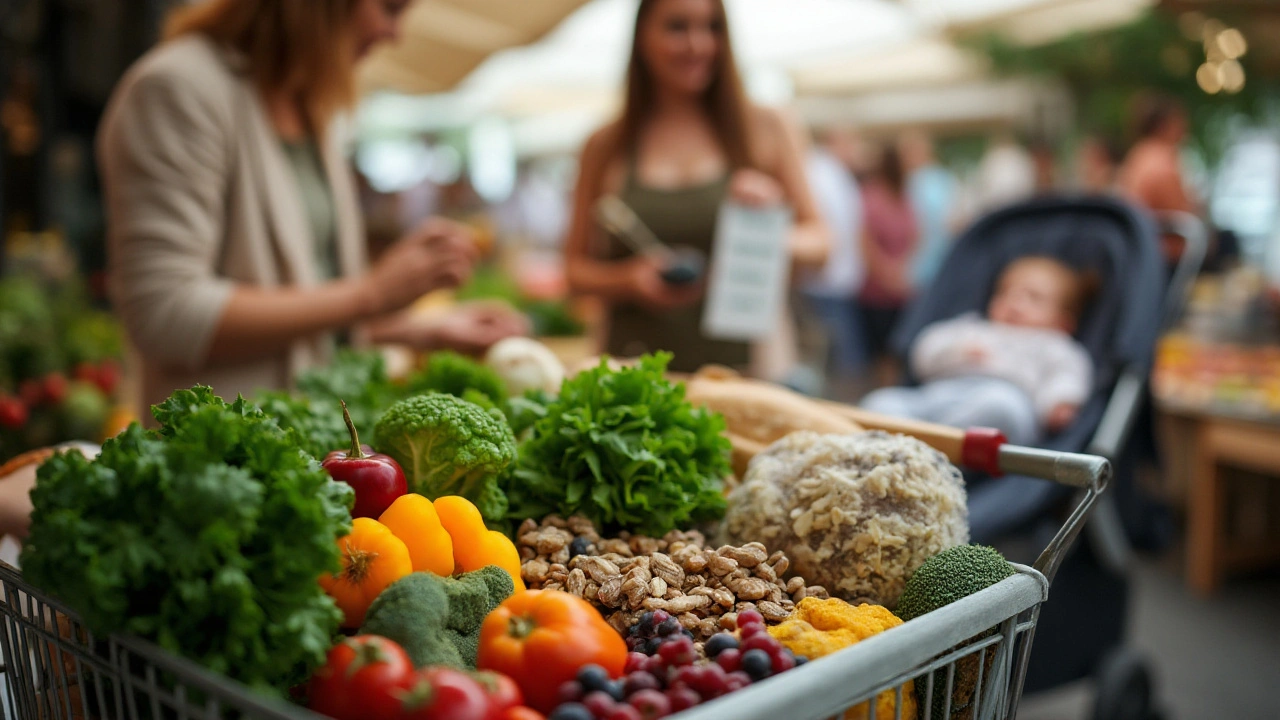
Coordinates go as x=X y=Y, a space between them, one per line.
x=965 y=661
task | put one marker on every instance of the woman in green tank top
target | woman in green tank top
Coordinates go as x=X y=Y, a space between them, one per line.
x=687 y=140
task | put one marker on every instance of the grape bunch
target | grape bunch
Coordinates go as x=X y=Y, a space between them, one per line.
x=663 y=674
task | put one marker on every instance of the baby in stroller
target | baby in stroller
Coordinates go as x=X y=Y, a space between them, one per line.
x=1019 y=370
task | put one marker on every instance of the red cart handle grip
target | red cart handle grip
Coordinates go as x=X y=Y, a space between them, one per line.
x=981 y=450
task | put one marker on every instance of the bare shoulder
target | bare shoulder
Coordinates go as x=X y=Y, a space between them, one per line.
x=599 y=156
x=776 y=131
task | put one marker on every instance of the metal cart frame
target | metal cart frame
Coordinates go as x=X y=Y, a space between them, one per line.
x=54 y=668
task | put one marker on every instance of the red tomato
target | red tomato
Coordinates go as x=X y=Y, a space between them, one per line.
x=107 y=376
x=55 y=388
x=441 y=693
x=13 y=414
x=31 y=392
x=503 y=692
x=522 y=713
x=364 y=679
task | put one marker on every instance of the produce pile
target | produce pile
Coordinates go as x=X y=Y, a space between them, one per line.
x=59 y=367
x=512 y=544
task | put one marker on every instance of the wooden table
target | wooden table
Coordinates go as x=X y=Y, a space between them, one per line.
x=1226 y=531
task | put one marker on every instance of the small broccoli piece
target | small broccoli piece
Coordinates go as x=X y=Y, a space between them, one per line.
x=943 y=579
x=453 y=374
x=437 y=620
x=414 y=612
x=448 y=446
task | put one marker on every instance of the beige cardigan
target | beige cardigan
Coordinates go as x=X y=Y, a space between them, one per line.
x=199 y=199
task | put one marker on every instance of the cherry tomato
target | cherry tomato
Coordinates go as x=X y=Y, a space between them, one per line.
x=441 y=693
x=364 y=679
x=13 y=414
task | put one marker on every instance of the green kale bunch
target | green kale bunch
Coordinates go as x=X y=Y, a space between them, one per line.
x=206 y=538
x=625 y=449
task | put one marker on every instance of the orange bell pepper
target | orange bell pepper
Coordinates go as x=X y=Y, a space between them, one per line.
x=413 y=519
x=541 y=638
x=372 y=559
x=474 y=545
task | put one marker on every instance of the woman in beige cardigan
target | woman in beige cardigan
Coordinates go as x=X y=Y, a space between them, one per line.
x=235 y=245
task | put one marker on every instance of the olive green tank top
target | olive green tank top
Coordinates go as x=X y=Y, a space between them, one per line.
x=683 y=216
x=317 y=204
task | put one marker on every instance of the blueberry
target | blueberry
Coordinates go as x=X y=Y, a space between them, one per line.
x=670 y=626
x=688 y=633
x=617 y=690
x=800 y=660
x=651 y=646
x=646 y=620
x=719 y=643
x=571 y=711
x=579 y=546
x=594 y=679
x=756 y=664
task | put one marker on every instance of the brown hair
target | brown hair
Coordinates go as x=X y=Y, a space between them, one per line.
x=890 y=169
x=725 y=100
x=1151 y=111
x=294 y=46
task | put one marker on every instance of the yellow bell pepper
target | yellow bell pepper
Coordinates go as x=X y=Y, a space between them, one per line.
x=822 y=627
x=413 y=519
x=474 y=545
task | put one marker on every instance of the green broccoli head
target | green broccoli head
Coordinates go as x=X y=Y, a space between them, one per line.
x=448 y=446
x=950 y=575
x=414 y=612
x=453 y=374
x=474 y=595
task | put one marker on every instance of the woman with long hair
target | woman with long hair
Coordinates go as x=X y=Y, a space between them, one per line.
x=687 y=139
x=235 y=247
x=890 y=238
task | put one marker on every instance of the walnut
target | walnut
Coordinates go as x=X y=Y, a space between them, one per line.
x=687 y=603
x=621 y=621
x=553 y=586
x=772 y=611
x=551 y=540
x=708 y=627
x=614 y=545
x=695 y=563
x=694 y=581
x=744 y=606
x=592 y=591
x=689 y=621
x=693 y=537
x=610 y=594
x=635 y=592
x=558 y=576
x=527 y=553
x=800 y=594
x=560 y=556
x=774 y=558
x=653 y=603
x=534 y=571
x=640 y=574
x=765 y=572
x=555 y=521
x=781 y=566
x=748 y=556
x=729 y=621
x=672 y=593
x=703 y=591
x=721 y=565
x=641 y=545
x=666 y=568
x=818 y=591
x=579 y=525
x=526 y=527
x=724 y=598
x=795 y=584
x=600 y=569
x=657 y=587
x=750 y=588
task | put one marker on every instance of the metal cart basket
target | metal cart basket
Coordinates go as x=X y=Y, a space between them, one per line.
x=966 y=660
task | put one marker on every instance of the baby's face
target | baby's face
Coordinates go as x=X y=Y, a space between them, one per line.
x=1034 y=293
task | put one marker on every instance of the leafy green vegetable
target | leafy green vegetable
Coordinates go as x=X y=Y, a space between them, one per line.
x=525 y=410
x=316 y=426
x=206 y=537
x=358 y=378
x=625 y=449
x=448 y=446
x=453 y=374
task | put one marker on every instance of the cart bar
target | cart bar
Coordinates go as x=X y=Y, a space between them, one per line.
x=1082 y=471
x=830 y=685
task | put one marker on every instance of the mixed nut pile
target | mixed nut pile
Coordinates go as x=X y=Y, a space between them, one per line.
x=704 y=587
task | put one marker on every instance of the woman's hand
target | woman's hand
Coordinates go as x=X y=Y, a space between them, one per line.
x=755 y=189
x=439 y=254
x=468 y=328
x=645 y=287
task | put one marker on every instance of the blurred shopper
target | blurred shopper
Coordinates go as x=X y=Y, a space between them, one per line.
x=235 y=245
x=832 y=292
x=1007 y=174
x=1097 y=165
x=1151 y=175
x=889 y=242
x=932 y=190
x=688 y=140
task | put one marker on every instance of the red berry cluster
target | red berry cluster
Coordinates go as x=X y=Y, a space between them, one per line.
x=663 y=675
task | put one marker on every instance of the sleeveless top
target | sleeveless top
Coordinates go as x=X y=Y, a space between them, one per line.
x=683 y=216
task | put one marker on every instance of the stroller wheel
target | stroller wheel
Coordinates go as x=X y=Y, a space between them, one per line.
x=1126 y=688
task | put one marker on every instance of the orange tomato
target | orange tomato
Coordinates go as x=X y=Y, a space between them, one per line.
x=372 y=559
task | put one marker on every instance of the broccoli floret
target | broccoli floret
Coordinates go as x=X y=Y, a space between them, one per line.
x=950 y=575
x=943 y=579
x=453 y=374
x=414 y=612
x=448 y=446
x=437 y=620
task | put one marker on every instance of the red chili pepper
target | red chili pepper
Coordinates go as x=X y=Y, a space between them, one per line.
x=378 y=480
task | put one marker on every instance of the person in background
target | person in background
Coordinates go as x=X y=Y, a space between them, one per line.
x=890 y=238
x=1097 y=165
x=687 y=140
x=1151 y=175
x=832 y=292
x=235 y=248
x=1006 y=174
x=932 y=190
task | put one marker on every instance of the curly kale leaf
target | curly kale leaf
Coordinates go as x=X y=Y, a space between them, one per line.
x=627 y=450
x=205 y=537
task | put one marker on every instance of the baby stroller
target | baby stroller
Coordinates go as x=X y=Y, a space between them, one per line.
x=1082 y=628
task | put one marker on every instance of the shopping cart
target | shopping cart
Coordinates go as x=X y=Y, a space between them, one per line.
x=54 y=668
